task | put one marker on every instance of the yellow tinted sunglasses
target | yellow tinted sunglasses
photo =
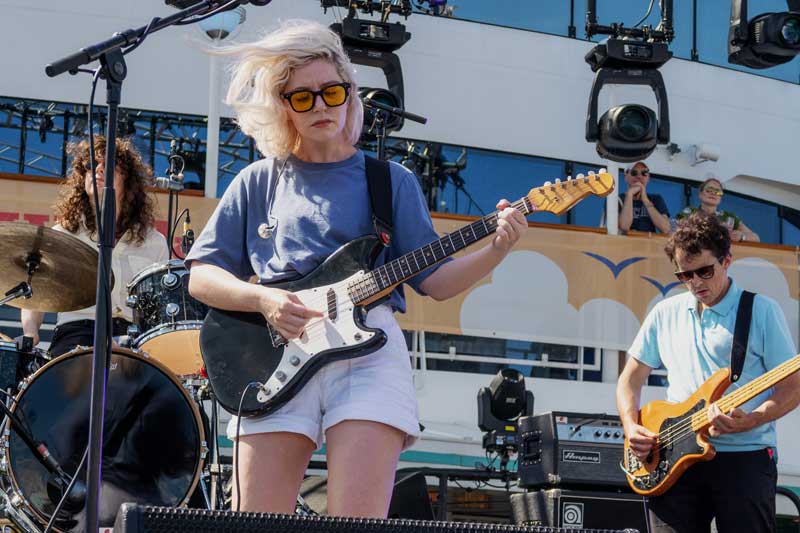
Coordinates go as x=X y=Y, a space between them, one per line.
x=303 y=100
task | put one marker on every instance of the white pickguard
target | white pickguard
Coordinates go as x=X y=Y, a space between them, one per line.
x=321 y=334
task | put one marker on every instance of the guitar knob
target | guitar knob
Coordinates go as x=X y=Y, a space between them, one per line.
x=294 y=360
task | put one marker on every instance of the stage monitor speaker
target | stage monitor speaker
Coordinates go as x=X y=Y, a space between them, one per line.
x=582 y=509
x=134 y=518
x=410 y=498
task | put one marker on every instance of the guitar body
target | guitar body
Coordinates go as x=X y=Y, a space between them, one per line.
x=240 y=348
x=253 y=371
x=680 y=446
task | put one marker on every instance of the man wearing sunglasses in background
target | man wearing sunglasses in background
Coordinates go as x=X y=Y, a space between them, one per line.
x=710 y=194
x=640 y=211
x=691 y=335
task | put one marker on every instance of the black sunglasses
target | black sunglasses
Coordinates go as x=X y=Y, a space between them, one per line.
x=704 y=272
x=303 y=100
x=635 y=172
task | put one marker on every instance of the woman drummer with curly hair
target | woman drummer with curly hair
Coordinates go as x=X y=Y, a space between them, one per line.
x=138 y=244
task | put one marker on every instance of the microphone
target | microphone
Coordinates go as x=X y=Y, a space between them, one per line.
x=58 y=482
x=188 y=234
x=169 y=184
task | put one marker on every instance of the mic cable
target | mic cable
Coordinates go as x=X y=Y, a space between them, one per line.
x=188 y=234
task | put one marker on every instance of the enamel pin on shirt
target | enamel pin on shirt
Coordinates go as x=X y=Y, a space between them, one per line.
x=264 y=230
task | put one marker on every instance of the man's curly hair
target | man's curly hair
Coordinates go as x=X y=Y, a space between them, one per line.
x=699 y=231
x=75 y=205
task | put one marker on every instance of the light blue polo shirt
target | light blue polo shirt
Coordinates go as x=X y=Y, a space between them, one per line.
x=693 y=347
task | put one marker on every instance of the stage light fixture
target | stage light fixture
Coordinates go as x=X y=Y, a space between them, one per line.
x=766 y=40
x=630 y=56
x=382 y=96
x=372 y=43
x=629 y=132
x=500 y=405
x=45 y=125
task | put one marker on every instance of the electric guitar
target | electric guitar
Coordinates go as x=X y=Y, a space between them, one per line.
x=253 y=370
x=682 y=428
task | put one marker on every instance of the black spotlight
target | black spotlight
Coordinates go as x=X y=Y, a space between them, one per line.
x=629 y=132
x=382 y=96
x=626 y=132
x=630 y=56
x=499 y=406
x=767 y=40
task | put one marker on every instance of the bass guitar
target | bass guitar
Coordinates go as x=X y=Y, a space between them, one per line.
x=254 y=371
x=682 y=428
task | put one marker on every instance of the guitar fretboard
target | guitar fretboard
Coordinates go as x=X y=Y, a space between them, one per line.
x=749 y=391
x=412 y=263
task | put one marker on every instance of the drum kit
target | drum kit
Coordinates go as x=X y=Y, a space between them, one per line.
x=155 y=424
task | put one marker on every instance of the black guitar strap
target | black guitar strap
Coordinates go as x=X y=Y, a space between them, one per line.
x=741 y=334
x=379 y=183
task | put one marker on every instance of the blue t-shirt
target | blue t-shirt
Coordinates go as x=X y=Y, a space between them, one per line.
x=691 y=348
x=641 y=218
x=310 y=210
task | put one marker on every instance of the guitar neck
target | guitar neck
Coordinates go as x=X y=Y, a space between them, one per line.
x=749 y=391
x=554 y=198
x=397 y=271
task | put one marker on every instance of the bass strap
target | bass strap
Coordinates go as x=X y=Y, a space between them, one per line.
x=741 y=334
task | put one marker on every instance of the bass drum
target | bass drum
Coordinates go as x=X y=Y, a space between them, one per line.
x=153 y=437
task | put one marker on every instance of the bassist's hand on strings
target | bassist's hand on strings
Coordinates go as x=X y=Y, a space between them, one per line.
x=734 y=422
x=641 y=440
x=286 y=312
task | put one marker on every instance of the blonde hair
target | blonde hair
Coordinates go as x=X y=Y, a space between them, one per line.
x=260 y=76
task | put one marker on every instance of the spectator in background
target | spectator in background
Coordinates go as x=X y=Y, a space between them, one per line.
x=640 y=211
x=710 y=195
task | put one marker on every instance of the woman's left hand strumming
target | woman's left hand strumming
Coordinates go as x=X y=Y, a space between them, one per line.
x=510 y=226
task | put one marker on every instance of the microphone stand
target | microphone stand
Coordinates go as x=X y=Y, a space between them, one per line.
x=110 y=53
x=382 y=112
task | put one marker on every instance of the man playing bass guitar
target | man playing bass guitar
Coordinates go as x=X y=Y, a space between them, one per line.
x=691 y=336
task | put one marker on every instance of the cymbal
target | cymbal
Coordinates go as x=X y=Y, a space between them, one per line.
x=66 y=279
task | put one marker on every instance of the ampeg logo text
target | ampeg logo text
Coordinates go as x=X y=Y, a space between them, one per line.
x=575 y=456
x=572 y=515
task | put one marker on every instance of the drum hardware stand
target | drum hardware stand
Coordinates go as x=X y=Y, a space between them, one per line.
x=215 y=469
x=11 y=506
x=24 y=289
x=110 y=52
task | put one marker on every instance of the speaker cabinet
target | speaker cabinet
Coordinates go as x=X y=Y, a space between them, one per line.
x=564 y=508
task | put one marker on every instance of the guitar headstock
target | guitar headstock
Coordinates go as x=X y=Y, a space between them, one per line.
x=559 y=197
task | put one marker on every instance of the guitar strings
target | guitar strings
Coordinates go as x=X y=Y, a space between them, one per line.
x=365 y=283
x=685 y=428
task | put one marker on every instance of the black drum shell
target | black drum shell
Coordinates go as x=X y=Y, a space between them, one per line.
x=153 y=436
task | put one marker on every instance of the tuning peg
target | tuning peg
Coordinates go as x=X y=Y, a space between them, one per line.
x=591 y=173
x=569 y=178
x=603 y=171
x=547 y=183
x=580 y=177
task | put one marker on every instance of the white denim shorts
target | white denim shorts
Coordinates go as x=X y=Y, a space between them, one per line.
x=377 y=387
